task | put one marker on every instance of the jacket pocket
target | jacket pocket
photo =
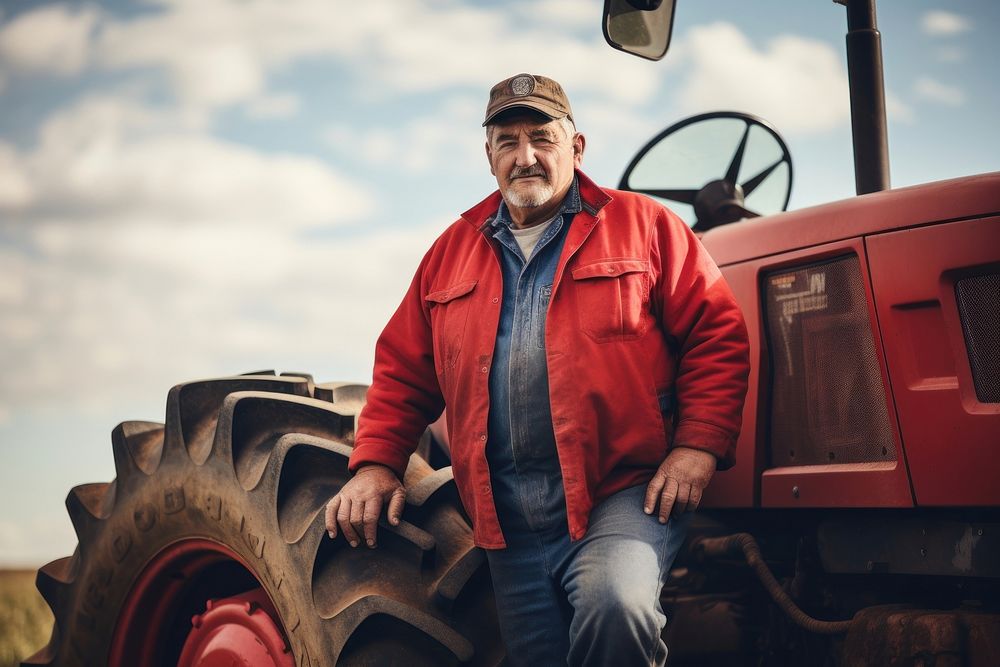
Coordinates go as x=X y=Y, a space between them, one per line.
x=611 y=297
x=449 y=315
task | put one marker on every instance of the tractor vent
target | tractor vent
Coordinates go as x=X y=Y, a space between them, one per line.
x=979 y=307
x=827 y=400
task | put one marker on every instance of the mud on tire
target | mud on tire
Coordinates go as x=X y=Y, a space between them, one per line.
x=247 y=464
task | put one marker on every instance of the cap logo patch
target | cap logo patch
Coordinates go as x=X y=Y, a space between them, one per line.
x=522 y=85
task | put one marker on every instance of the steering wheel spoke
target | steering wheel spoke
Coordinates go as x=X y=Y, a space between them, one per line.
x=751 y=185
x=733 y=171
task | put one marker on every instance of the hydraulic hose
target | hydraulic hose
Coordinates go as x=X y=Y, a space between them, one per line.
x=732 y=545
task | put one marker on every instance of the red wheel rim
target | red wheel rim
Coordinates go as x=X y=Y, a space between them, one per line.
x=175 y=590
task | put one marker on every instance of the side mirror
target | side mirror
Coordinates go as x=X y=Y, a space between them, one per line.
x=639 y=27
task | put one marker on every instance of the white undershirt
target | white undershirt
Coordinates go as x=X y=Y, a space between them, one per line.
x=528 y=238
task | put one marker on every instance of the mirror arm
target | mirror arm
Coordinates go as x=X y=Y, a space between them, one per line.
x=864 y=73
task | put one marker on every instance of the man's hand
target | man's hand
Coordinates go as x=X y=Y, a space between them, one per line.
x=357 y=507
x=679 y=482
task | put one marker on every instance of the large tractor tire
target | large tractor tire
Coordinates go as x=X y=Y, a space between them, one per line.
x=210 y=547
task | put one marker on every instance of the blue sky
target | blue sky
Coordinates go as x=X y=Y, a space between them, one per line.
x=205 y=187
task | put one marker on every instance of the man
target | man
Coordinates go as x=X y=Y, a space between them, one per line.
x=569 y=329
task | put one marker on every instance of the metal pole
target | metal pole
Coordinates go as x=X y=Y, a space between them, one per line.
x=864 y=72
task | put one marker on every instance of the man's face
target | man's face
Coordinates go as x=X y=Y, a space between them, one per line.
x=533 y=158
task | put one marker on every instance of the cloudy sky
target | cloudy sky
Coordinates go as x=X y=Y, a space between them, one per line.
x=195 y=188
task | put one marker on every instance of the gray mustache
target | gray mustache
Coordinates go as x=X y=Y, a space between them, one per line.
x=527 y=171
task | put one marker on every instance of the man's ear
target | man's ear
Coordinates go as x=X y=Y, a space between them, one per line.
x=579 y=145
x=489 y=157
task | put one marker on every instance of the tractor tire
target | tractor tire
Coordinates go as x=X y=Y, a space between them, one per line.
x=223 y=508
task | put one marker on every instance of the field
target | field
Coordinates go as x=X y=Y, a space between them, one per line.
x=25 y=619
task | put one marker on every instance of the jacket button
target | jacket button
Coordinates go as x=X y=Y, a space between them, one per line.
x=485 y=369
x=486 y=488
x=611 y=269
x=483 y=437
x=496 y=300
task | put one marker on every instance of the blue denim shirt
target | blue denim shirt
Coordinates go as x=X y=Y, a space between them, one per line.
x=521 y=450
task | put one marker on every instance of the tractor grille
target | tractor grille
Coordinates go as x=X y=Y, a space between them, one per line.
x=827 y=399
x=979 y=307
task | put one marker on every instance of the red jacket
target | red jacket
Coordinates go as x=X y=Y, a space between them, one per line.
x=638 y=310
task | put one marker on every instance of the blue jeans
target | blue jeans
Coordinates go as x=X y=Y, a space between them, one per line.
x=592 y=602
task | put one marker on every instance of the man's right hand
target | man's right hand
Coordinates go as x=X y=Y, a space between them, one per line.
x=357 y=507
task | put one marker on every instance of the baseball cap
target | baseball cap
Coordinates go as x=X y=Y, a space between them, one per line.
x=529 y=91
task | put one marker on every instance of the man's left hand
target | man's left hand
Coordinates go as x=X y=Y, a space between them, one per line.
x=679 y=481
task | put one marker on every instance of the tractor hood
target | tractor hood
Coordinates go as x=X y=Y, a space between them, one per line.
x=954 y=199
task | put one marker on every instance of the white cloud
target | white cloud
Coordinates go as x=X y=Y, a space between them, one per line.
x=214 y=53
x=152 y=252
x=222 y=52
x=944 y=23
x=12 y=288
x=798 y=84
x=449 y=140
x=138 y=306
x=563 y=13
x=51 y=39
x=426 y=60
x=113 y=159
x=371 y=146
x=15 y=190
x=896 y=109
x=204 y=72
x=936 y=91
x=283 y=105
x=951 y=54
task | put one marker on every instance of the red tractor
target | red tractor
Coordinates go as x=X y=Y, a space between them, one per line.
x=859 y=526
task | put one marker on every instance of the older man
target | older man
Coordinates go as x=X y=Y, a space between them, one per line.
x=594 y=365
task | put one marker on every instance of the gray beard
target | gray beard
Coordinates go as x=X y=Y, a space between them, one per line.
x=532 y=199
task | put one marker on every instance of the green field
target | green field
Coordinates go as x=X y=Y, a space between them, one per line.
x=25 y=619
